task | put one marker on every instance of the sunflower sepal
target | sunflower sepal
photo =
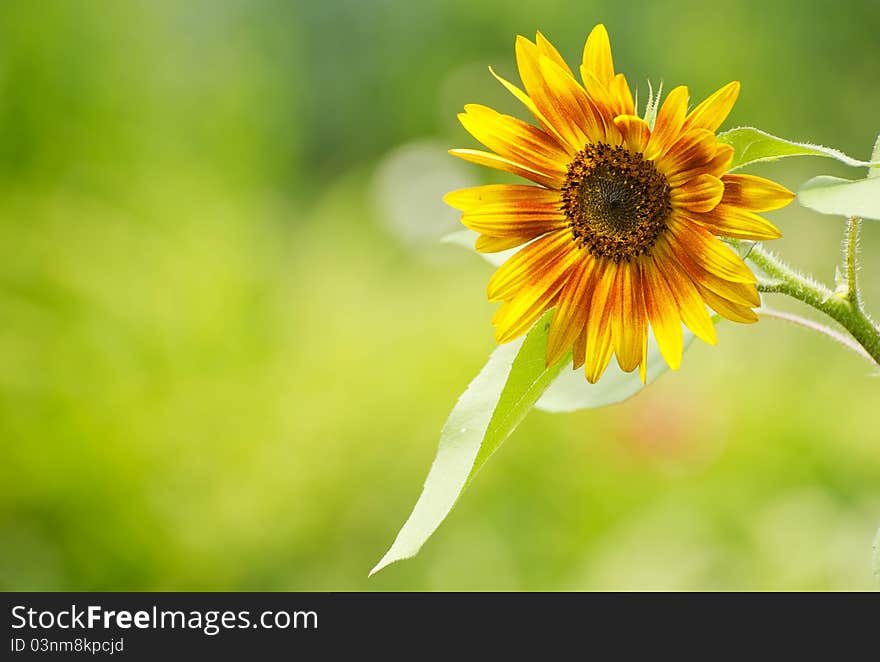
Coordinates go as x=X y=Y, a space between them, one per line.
x=652 y=104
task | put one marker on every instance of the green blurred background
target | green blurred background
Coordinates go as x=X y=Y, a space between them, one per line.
x=229 y=336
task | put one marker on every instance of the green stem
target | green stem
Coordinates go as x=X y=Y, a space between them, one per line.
x=850 y=261
x=841 y=309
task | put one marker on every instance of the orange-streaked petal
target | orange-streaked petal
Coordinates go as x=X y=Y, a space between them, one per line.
x=729 y=221
x=523 y=265
x=688 y=157
x=728 y=309
x=634 y=130
x=628 y=319
x=703 y=271
x=515 y=140
x=662 y=311
x=597 y=56
x=701 y=194
x=533 y=109
x=506 y=220
x=570 y=315
x=745 y=294
x=547 y=49
x=712 y=112
x=469 y=198
x=598 y=329
x=602 y=101
x=670 y=119
x=535 y=298
x=491 y=160
x=581 y=110
x=620 y=91
x=598 y=355
x=755 y=193
x=691 y=306
x=546 y=85
x=723 y=158
x=707 y=251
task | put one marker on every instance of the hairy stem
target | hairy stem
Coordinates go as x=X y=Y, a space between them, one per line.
x=850 y=261
x=842 y=309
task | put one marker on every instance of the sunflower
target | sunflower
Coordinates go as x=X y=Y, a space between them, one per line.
x=621 y=222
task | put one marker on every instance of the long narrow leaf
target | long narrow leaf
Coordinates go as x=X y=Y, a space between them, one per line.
x=489 y=410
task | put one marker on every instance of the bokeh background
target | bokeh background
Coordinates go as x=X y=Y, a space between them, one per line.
x=229 y=335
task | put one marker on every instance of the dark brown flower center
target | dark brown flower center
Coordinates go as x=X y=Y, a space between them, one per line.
x=616 y=201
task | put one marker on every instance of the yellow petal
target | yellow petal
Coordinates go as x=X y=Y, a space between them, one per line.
x=476 y=196
x=532 y=259
x=744 y=294
x=603 y=103
x=533 y=109
x=634 y=130
x=713 y=111
x=515 y=140
x=570 y=314
x=547 y=49
x=688 y=157
x=621 y=93
x=707 y=251
x=754 y=193
x=506 y=220
x=628 y=320
x=500 y=163
x=701 y=194
x=552 y=97
x=691 y=306
x=721 y=162
x=598 y=345
x=597 y=56
x=667 y=127
x=704 y=271
x=662 y=311
x=581 y=111
x=729 y=221
x=535 y=297
x=599 y=355
x=732 y=311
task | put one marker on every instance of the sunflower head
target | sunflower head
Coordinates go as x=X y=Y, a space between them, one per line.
x=619 y=227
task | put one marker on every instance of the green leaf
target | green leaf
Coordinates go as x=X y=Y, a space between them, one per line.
x=571 y=391
x=874 y=170
x=752 y=145
x=842 y=197
x=495 y=402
